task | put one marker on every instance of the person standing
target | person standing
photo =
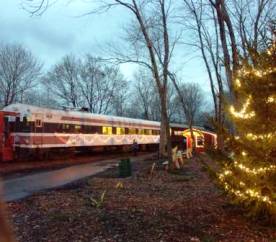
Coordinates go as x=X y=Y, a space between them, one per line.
x=135 y=147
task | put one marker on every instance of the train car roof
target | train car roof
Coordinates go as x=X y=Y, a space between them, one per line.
x=26 y=109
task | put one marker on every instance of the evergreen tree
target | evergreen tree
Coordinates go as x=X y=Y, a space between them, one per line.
x=251 y=176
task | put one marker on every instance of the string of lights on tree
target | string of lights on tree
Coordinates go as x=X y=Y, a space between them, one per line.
x=250 y=177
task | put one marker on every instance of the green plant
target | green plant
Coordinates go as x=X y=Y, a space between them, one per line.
x=119 y=185
x=59 y=216
x=208 y=238
x=98 y=203
x=125 y=169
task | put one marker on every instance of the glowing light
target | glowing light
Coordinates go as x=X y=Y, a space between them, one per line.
x=238 y=82
x=258 y=73
x=242 y=113
x=261 y=136
x=255 y=171
x=247 y=194
x=271 y=99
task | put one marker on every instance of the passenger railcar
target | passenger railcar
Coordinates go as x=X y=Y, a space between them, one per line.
x=27 y=129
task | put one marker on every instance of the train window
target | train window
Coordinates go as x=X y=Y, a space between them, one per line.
x=92 y=129
x=26 y=125
x=141 y=131
x=200 y=141
x=132 y=131
x=120 y=130
x=65 y=127
x=38 y=123
x=178 y=132
x=156 y=132
x=107 y=130
x=96 y=129
x=77 y=128
x=25 y=121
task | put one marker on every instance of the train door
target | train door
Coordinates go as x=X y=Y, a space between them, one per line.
x=38 y=129
x=6 y=143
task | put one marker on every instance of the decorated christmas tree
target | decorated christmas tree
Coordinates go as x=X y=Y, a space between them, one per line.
x=250 y=178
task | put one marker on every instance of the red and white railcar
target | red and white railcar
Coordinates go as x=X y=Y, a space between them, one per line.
x=26 y=128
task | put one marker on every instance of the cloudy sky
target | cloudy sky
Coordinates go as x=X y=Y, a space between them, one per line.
x=62 y=30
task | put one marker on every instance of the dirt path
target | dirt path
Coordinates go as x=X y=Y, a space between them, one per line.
x=17 y=188
x=14 y=169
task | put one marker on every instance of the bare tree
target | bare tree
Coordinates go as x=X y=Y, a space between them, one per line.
x=144 y=97
x=63 y=80
x=42 y=97
x=151 y=47
x=19 y=70
x=226 y=31
x=203 y=23
x=191 y=100
x=251 y=19
x=145 y=101
x=119 y=103
x=86 y=82
x=101 y=85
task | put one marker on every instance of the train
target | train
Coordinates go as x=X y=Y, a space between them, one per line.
x=26 y=130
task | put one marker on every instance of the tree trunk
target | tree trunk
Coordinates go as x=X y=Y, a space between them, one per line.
x=165 y=147
x=192 y=138
x=220 y=125
x=226 y=55
x=163 y=137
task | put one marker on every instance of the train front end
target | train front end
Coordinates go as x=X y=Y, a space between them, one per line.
x=6 y=138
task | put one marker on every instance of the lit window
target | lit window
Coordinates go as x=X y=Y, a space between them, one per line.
x=155 y=132
x=148 y=131
x=77 y=128
x=65 y=126
x=120 y=131
x=178 y=133
x=38 y=123
x=107 y=130
x=199 y=141
x=132 y=131
x=141 y=131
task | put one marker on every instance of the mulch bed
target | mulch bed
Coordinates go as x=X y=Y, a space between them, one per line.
x=185 y=206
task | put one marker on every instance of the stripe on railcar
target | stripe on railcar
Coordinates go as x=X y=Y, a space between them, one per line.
x=43 y=140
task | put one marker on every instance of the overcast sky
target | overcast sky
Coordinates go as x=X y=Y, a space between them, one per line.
x=60 y=31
